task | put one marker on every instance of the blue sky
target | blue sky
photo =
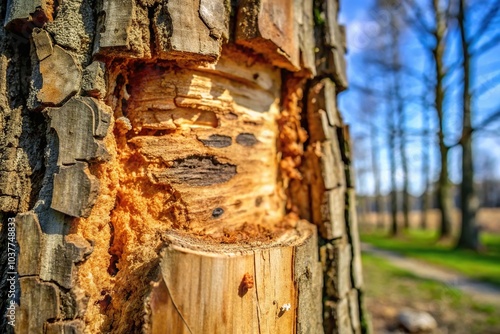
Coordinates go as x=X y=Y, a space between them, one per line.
x=362 y=27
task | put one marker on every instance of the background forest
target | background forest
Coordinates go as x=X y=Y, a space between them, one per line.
x=424 y=109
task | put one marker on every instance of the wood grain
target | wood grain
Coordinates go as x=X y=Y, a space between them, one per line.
x=212 y=300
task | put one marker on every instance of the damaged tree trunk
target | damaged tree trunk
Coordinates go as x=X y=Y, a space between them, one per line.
x=176 y=167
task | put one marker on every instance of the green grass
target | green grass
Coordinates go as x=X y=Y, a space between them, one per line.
x=455 y=311
x=422 y=245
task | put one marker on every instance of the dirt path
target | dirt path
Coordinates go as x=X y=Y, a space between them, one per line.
x=481 y=291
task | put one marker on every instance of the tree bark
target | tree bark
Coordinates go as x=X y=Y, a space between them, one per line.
x=426 y=198
x=444 y=199
x=379 y=207
x=176 y=166
x=469 y=203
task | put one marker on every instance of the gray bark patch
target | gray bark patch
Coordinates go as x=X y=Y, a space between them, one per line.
x=199 y=171
x=217 y=141
x=246 y=139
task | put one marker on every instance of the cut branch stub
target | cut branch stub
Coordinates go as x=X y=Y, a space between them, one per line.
x=264 y=285
x=268 y=28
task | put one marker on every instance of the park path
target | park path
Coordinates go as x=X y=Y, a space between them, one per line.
x=481 y=291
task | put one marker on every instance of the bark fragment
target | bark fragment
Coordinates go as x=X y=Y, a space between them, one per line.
x=268 y=28
x=75 y=190
x=60 y=74
x=39 y=303
x=24 y=15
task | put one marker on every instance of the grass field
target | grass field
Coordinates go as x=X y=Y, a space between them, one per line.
x=422 y=245
x=454 y=311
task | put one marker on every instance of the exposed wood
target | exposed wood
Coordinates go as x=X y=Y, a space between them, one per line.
x=225 y=121
x=308 y=277
x=214 y=302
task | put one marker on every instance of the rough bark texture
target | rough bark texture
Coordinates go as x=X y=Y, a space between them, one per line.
x=142 y=137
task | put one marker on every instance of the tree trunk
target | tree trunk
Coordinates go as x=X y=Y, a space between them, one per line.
x=469 y=203
x=394 y=191
x=426 y=156
x=166 y=167
x=379 y=207
x=444 y=199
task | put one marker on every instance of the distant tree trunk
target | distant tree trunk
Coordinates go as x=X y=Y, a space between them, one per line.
x=396 y=106
x=380 y=219
x=394 y=192
x=404 y=164
x=469 y=203
x=426 y=156
x=176 y=167
x=444 y=199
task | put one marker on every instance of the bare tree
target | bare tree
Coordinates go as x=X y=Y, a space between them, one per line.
x=379 y=208
x=436 y=30
x=471 y=48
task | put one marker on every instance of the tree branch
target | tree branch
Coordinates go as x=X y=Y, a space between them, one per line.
x=486 y=21
x=416 y=16
x=491 y=118
x=486 y=86
x=486 y=46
